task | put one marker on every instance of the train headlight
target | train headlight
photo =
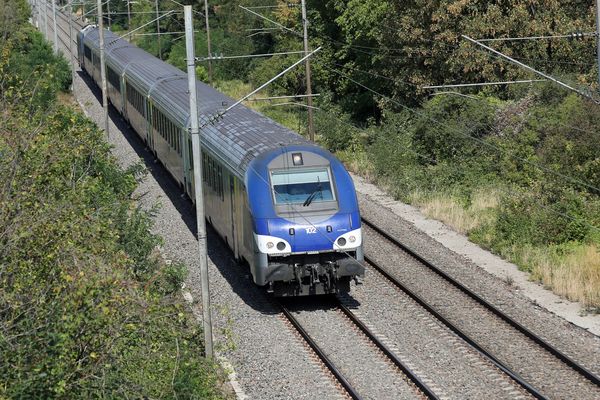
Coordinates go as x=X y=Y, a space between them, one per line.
x=272 y=244
x=349 y=240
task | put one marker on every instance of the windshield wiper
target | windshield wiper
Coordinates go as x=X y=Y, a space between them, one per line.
x=312 y=196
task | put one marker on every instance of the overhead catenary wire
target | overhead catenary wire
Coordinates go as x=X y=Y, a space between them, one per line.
x=478 y=140
x=354 y=69
x=512 y=193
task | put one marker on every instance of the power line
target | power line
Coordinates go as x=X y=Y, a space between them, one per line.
x=530 y=69
x=567 y=36
x=500 y=188
x=478 y=140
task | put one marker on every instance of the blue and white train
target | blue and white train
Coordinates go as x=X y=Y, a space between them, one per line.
x=284 y=205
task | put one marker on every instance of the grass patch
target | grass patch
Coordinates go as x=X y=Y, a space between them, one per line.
x=570 y=270
x=451 y=209
x=358 y=163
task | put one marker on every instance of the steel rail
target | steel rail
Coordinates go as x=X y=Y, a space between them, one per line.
x=525 y=331
x=328 y=363
x=389 y=353
x=64 y=16
x=60 y=38
x=479 y=348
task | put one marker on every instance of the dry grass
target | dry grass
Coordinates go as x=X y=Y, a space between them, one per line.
x=66 y=99
x=573 y=273
x=448 y=208
x=358 y=163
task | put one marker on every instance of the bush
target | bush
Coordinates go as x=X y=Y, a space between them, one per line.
x=336 y=130
x=86 y=311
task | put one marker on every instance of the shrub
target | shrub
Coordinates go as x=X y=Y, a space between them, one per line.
x=86 y=312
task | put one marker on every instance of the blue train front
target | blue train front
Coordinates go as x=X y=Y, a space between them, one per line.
x=306 y=222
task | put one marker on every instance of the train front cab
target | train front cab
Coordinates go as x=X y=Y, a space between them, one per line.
x=307 y=233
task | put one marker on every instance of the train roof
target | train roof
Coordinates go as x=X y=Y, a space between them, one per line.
x=237 y=138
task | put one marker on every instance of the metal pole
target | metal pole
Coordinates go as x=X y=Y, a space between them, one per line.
x=103 y=68
x=108 y=13
x=598 y=38
x=71 y=45
x=195 y=133
x=128 y=16
x=54 y=24
x=311 y=127
x=46 y=17
x=208 y=41
x=158 y=29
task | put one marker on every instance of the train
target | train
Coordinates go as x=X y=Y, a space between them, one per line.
x=282 y=204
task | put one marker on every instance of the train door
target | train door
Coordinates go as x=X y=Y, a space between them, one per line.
x=234 y=242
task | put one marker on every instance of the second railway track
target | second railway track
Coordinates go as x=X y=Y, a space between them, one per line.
x=537 y=366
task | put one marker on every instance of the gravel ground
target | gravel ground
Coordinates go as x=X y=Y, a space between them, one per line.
x=374 y=377
x=270 y=361
x=448 y=365
x=540 y=369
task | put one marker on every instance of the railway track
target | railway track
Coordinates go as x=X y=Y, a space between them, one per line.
x=420 y=388
x=512 y=371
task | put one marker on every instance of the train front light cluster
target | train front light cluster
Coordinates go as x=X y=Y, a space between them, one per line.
x=272 y=244
x=348 y=240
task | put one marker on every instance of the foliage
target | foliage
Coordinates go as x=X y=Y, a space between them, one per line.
x=87 y=311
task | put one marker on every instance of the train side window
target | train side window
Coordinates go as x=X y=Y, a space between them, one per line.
x=220 y=176
x=143 y=105
x=158 y=122
x=113 y=78
x=212 y=173
x=168 y=130
x=209 y=172
x=167 y=133
x=175 y=139
x=162 y=125
x=173 y=136
x=159 y=115
x=190 y=154
x=165 y=128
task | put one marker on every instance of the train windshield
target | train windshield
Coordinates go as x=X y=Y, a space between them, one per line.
x=302 y=186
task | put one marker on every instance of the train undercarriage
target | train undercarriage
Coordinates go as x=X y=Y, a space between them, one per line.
x=313 y=274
